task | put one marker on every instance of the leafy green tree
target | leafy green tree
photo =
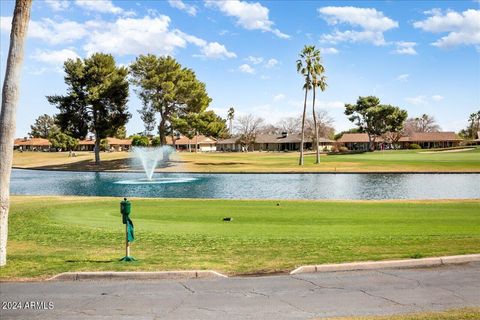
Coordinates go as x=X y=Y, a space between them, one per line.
x=121 y=133
x=156 y=141
x=206 y=123
x=140 y=141
x=60 y=140
x=42 y=128
x=96 y=99
x=374 y=118
x=166 y=89
x=473 y=125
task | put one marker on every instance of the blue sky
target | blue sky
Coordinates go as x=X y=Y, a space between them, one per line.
x=423 y=56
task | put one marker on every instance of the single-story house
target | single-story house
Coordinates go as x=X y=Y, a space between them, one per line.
x=429 y=140
x=32 y=144
x=359 y=141
x=86 y=145
x=114 y=144
x=200 y=142
x=228 y=145
x=274 y=142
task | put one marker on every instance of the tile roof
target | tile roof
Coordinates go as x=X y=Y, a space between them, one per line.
x=36 y=142
x=275 y=138
x=434 y=136
x=415 y=137
x=185 y=141
x=111 y=141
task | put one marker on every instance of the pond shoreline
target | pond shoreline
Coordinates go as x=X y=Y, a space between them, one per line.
x=256 y=172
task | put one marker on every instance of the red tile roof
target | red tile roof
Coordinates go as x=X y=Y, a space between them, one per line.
x=185 y=141
x=35 y=142
x=434 y=136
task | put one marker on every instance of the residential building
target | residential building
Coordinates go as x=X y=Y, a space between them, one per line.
x=200 y=143
x=426 y=140
x=274 y=142
x=32 y=144
x=113 y=144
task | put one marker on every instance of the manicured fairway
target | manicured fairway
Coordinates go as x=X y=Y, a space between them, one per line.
x=391 y=161
x=49 y=235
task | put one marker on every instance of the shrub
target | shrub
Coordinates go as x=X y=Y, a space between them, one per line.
x=156 y=141
x=343 y=149
x=140 y=141
x=414 y=146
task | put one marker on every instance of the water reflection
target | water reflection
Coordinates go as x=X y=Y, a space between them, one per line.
x=249 y=186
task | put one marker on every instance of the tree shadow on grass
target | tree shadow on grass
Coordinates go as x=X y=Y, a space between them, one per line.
x=105 y=165
x=91 y=261
x=220 y=163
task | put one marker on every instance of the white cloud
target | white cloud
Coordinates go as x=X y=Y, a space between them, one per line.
x=179 y=4
x=58 y=5
x=405 y=48
x=372 y=24
x=279 y=97
x=403 y=77
x=245 y=68
x=329 y=50
x=50 y=31
x=418 y=100
x=216 y=50
x=271 y=63
x=124 y=36
x=462 y=28
x=251 y=16
x=255 y=60
x=133 y=36
x=54 y=57
x=102 y=6
x=424 y=100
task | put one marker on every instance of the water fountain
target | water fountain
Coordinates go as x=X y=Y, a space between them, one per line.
x=150 y=158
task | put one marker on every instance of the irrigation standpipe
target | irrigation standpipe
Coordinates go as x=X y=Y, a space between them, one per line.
x=125 y=209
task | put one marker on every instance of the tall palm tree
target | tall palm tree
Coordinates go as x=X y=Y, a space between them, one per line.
x=304 y=67
x=230 y=116
x=10 y=91
x=320 y=81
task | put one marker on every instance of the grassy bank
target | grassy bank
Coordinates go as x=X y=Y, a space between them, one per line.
x=456 y=314
x=49 y=235
x=391 y=161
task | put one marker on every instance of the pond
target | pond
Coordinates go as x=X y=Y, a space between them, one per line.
x=247 y=186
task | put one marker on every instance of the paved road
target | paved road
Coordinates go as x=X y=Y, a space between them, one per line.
x=303 y=296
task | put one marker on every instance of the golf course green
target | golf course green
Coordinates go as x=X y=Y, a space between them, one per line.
x=49 y=235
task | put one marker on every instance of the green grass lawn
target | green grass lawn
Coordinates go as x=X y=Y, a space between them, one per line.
x=390 y=161
x=49 y=235
x=455 y=314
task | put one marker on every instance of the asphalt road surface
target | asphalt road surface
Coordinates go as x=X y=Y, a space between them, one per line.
x=303 y=296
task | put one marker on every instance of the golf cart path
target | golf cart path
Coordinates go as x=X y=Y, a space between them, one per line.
x=298 y=296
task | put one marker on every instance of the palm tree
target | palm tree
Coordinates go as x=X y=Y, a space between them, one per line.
x=320 y=81
x=10 y=92
x=230 y=116
x=304 y=67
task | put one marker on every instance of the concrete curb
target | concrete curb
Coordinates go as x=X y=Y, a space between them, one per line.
x=371 y=265
x=131 y=275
